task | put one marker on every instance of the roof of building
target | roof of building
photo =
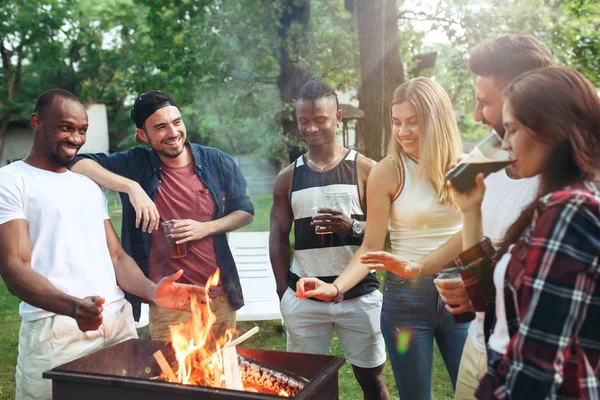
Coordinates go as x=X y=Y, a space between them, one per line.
x=350 y=112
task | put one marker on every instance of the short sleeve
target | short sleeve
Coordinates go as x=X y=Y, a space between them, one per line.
x=11 y=199
x=105 y=207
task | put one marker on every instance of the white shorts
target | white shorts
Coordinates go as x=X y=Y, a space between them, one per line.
x=49 y=342
x=310 y=325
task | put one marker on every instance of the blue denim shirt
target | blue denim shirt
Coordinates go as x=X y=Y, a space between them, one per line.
x=217 y=171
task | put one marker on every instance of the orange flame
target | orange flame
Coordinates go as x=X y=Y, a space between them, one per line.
x=194 y=343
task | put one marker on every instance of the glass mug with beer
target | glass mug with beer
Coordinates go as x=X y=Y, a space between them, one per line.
x=486 y=157
x=323 y=233
x=455 y=277
x=340 y=201
x=176 y=250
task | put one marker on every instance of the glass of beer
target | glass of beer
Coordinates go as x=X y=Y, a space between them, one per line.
x=458 y=318
x=177 y=250
x=324 y=234
x=486 y=157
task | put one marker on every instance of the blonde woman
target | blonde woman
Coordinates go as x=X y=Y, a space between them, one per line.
x=406 y=193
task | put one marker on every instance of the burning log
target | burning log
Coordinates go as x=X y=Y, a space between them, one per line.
x=264 y=379
x=234 y=343
x=231 y=369
x=205 y=360
x=164 y=366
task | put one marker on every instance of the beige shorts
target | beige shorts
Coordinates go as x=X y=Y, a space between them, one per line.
x=49 y=342
x=161 y=318
x=310 y=326
x=473 y=365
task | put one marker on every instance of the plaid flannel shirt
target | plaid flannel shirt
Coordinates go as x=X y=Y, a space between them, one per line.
x=552 y=298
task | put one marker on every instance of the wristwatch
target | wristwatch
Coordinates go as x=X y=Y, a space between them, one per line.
x=358 y=229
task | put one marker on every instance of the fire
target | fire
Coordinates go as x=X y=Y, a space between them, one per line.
x=198 y=353
x=193 y=342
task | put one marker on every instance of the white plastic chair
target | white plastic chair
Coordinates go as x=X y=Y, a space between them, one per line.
x=144 y=317
x=251 y=254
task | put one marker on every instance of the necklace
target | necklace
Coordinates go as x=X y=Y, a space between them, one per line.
x=326 y=165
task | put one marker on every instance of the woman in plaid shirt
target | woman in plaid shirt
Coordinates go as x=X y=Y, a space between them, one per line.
x=545 y=342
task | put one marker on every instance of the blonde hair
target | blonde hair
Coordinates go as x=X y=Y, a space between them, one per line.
x=439 y=139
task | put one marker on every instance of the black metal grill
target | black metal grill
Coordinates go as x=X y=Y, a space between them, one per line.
x=125 y=372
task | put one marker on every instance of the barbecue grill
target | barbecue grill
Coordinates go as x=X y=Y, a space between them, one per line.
x=128 y=371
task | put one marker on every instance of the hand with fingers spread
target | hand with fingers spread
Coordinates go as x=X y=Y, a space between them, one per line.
x=454 y=294
x=187 y=230
x=146 y=212
x=170 y=294
x=332 y=220
x=314 y=287
x=88 y=313
x=375 y=260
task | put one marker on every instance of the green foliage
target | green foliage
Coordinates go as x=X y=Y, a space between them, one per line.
x=219 y=59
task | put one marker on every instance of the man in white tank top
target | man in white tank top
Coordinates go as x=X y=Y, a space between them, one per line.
x=328 y=173
x=60 y=255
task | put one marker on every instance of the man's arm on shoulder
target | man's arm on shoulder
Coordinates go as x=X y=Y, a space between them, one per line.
x=109 y=172
x=281 y=221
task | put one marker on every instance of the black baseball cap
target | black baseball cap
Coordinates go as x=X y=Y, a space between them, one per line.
x=146 y=104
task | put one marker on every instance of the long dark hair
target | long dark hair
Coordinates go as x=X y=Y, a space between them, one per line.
x=561 y=107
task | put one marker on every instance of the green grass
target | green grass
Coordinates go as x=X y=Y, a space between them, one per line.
x=270 y=337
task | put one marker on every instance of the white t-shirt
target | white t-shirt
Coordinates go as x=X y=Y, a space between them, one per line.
x=500 y=338
x=65 y=214
x=504 y=200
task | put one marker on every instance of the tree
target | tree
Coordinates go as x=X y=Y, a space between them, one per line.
x=381 y=70
x=28 y=29
x=294 y=69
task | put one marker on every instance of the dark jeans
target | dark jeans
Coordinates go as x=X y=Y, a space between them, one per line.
x=412 y=316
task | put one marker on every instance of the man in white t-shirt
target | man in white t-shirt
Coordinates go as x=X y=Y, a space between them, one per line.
x=495 y=64
x=60 y=255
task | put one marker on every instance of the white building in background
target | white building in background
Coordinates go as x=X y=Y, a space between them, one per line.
x=19 y=138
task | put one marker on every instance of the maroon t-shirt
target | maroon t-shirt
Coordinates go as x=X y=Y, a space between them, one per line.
x=181 y=195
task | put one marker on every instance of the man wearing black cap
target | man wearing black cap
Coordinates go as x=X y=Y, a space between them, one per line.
x=198 y=187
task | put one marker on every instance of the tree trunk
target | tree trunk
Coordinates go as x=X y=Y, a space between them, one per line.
x=381 y=71
x=292 y=54
x=7 y=71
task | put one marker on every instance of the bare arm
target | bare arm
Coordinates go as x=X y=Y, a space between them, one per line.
x=433 y=262
x=280 y=226
x=144 y=206
x=31 y=287
x=382 y=185
x=381 y=188
x=167 y=293
x=129 y=276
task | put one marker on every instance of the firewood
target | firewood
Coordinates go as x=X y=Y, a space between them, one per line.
x=234 y=342
x=164 y=366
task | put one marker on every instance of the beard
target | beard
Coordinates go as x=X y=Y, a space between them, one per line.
x=498 y=128
x=53 y=152
x=173 y=154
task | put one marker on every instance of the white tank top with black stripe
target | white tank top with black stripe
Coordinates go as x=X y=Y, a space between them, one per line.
x=337 y=188
x=418 y=222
